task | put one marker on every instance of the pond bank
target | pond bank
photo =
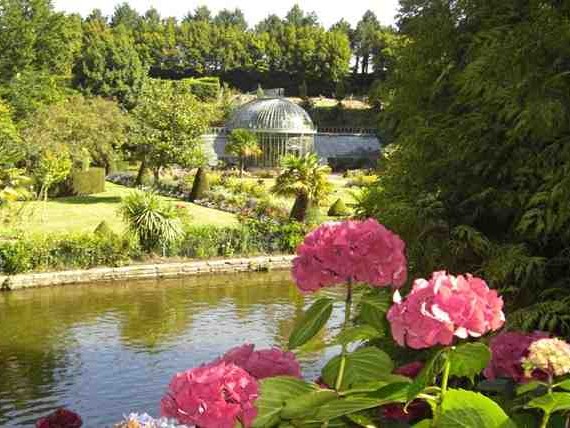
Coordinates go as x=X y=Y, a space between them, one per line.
x=148 y=271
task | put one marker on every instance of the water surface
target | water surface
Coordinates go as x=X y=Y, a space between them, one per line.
x=106 y=350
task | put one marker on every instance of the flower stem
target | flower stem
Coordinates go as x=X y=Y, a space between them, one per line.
x=344 y=351
x=445 y=376
x=545 y=420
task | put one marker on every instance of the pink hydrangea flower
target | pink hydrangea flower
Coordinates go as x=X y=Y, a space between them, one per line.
x=358 y=251
x=61 y=418
x=215 y=395
x=264 y=363
x=507 y=350
x=445 y=306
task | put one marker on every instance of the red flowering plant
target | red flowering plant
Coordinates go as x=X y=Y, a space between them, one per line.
x=446 y=319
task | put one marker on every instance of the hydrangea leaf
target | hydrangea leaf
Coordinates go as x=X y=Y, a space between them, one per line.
x=357 y=334
x=311 y=323
x=565 y=385
x=426 y=423
x=469 y=359
x=461 y=408
x=274 y=392
x=306 y=405
x=362 y=366
x=373 y=309
x=551 y=403
x=528 y=387
x=393 y=393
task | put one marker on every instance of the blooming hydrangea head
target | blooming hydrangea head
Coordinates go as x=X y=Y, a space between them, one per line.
x=552 y=356
x=352 y=250
x=263 y=363
x=508 y=349
x=445 y=306
x=213 y=395
x=61 y=418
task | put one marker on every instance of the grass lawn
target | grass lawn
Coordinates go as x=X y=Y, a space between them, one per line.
x=84 y=213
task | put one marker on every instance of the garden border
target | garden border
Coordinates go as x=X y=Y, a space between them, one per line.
x=148 y=271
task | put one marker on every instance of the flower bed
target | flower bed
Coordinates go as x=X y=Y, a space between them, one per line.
x=448 y=376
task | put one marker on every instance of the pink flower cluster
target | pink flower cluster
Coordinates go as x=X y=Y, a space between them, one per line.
x=61 y=418
x=508 y=350
x=445 y=306
x=215 y=395
x=264 y=363
x=358 y=251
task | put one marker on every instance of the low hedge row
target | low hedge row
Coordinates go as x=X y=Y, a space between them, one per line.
x=84 y=251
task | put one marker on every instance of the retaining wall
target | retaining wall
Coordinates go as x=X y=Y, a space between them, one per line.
x=153 y=271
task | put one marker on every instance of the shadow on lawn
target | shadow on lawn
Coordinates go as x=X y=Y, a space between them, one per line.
x=89 y=200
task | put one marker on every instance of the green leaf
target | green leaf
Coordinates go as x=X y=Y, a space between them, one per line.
x=426 y=423
x=363 y=366
x=361 y=420
x=427 y=375
x=468 y=409
x=357 y=334
x=274 y=393
x=393 y=393
x=311 y=323
x=373 y=309
x=551 y=403
x=565 y=385
x=528 y=387
x=306 y=405
x=468 y=360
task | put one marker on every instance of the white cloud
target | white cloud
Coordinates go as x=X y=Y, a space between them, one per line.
x=329 y=11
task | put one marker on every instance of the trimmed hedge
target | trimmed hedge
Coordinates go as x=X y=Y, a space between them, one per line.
x=84 y=251
x=77 y=251
x=87 y=182
x=204 y=88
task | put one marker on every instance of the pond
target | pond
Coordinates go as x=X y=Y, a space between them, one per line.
x=109 y=349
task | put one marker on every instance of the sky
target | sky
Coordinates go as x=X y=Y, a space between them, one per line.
x=328 y=11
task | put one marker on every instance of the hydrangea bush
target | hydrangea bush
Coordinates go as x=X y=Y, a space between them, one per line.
x=460 y=366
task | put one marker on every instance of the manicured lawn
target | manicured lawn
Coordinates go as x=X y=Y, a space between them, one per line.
x=84 y=213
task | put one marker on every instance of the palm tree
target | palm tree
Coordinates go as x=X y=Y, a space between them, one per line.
x=305 y=179
x=243 y=144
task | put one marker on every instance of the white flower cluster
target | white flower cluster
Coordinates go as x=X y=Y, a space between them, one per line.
x=551 y=356
x=137 y=420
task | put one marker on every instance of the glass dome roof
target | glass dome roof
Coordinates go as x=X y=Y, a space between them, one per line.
x=272 y=115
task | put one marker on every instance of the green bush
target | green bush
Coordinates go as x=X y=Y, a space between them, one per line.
x=86 y=182
x=103 y=229
x=338 y=209
x=205 y=88
x=200 y=185
x=77 y=251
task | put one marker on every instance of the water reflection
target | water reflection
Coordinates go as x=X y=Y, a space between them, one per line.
x=108 y=349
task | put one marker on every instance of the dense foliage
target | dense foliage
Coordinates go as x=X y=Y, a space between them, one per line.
x=477 y=177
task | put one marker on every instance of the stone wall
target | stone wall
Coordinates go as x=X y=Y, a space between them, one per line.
x=135 y=272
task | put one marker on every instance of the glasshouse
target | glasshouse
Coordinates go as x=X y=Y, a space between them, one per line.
x=281 y=126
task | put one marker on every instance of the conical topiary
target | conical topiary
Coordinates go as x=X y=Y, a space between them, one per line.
x=200 y=185
x=103 y=229
x=338 y=209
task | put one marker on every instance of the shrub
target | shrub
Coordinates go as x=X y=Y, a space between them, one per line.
x=76 y=251
x=205 y=88
x=152 y=220
x=338 y=209
x=103 y=229
x=200 y=186
x=86 y=182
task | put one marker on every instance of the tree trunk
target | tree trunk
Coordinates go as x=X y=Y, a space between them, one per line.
x=156 y=174
x=300 y=207
x=141 y=173
x=241 y=166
